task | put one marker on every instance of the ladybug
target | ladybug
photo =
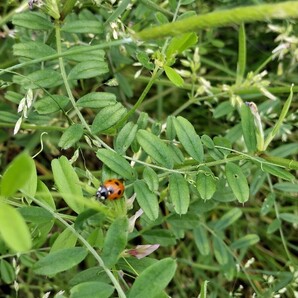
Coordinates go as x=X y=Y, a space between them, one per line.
x=111 y=189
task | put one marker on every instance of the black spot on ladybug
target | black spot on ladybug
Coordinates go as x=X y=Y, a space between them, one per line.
x=119 y=192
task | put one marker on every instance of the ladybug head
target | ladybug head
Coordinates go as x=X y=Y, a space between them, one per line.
x=102 y=193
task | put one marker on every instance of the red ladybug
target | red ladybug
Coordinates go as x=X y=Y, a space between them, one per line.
x=112 y=189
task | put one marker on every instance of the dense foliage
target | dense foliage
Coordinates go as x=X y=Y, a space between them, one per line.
x=192 y=105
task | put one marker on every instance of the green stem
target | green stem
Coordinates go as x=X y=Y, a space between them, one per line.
x=254 y=13
x=8 y=17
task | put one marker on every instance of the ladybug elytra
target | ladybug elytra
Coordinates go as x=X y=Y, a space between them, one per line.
x=111 y=189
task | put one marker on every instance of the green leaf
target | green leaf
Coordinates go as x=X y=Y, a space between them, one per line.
x=44 y=195
x=206 y=183
x=43 y=78
x=278 y=172
x=66 y=239
x=33 y=50
x=146 y=199
x=60 y=260
x=201 y=240
x=224 y=108
x=241 y=65
x=13 y=229
x=90 y=274
x=268 y=203
x=248 y=128
x=155 y=148
x=173 y=76
x=286 y=187
x=91 y=289
x=274 y=226
x=7 y=272
x=185 y=221
x=170 y=129
x=116 y=163
x=289 y=217
x=23 y=168
x=125 y=137
x=151 y=179
x=35 y=214
x=153 y=279
x=220 y=250
x=78 y=53
x=83 y=26
x=68 y=183
x=107 y=118
x=115 y=241
x=207 y=141
x=179 y=193
x=228 y=219
x=161 y=236
x=189 y=138
x=96 y=100
x=32 y=20
x=180 y=43
x=88 y=69
x=245 y=241
x=51 y=104
x=203 y=292
x=71 y=135
x=237 y=181
x=144 y=60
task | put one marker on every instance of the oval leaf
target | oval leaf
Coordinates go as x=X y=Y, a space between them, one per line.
x=206 y=183
x=173 y=76
x=146 y=199
x=237 y=181
x=66 y=239
x=33 y=50
x=116 y=163
x=88 y=69
x=189 y=138
x=23 y=168
x=13 y=229
x=95 y=100
x=83 y=26
x=68 y=183
x=91 y=289
x=32 y=20
x=107 y=118
x=278 y=172
x=179 y=193
x=246 y=241
x=155 y=148
x=228 y=219
x=125 y=137
x=201 y=240
x=115 y=241
x=51 y=104
x=220 y=250
x=289 y=217
x=60 y=260
x=71 y=135
x=153 y=279
x=151 y=179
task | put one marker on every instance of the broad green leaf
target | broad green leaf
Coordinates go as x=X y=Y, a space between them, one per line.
x=22 y=168
x=33 y=50
x=274 y=226
x=173 y=76
x=146 y=199
x=68 y=183
x=115 y=241
x=35 y=214
x=224 y=108
x=176 y=153
x=220 y=250
x=32 y=20
x=248 y=128
x=170 y=129
x=51 y=104
x=201 y=240
x=155 y=148
x=13 y=229
x=71 y=135
x=161 y=236
x=286 y=186
x=96 y=100
x=237 y=181
x=90 y=274
x=206 y=183
x=116 y=163
x=153 y=279
x=83 y=26
x=91 y=289
x=7 y=272
x=78 y=53
x=66 y=239
x=107 y=118
x=268 y=203
x=161 y=18
x=289 y=217
x=60 y=260
x=189 y=138
x=151 y=179
x=228 y=219
x=179 y=193
x=44 y=195
x=245 y=241
x=185 y=221
x=88 y=69
x=278 y=172
x=125 y=137
x=43 y=78
x=180 y=43
x=144 y=60
x=207 y=141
